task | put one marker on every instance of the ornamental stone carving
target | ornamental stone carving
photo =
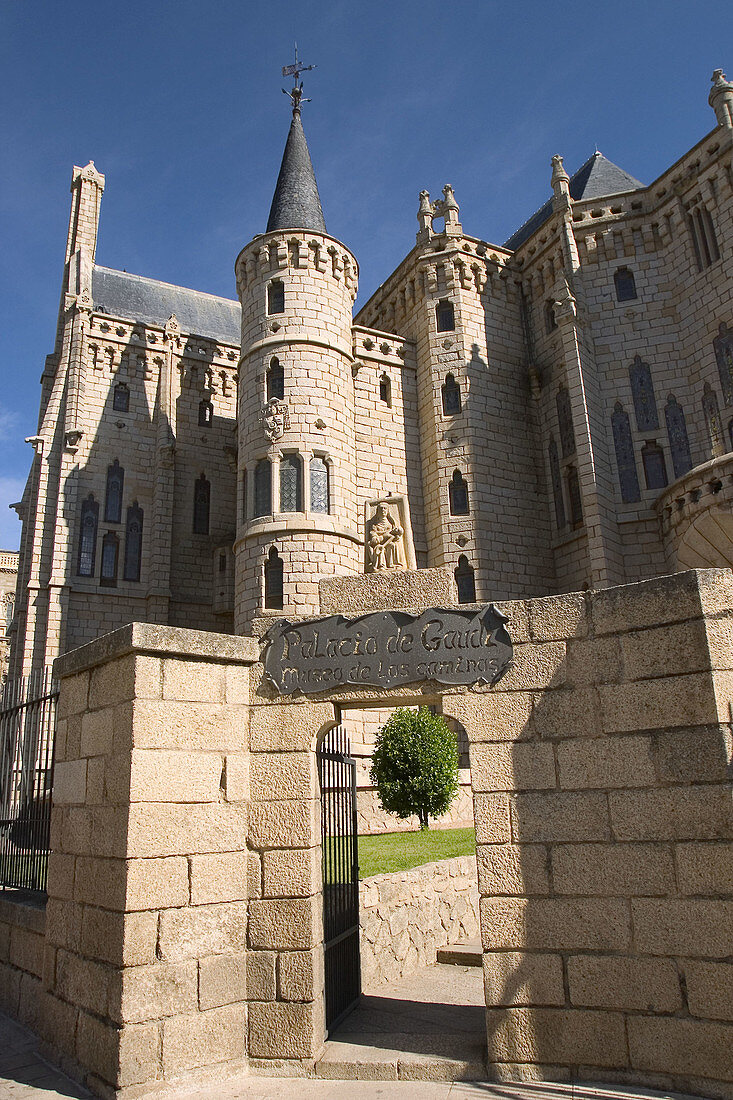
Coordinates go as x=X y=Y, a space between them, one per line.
x=387 y=535
x=275 y=418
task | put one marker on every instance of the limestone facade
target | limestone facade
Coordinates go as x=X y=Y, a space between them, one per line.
x=8 y=580
x=539 y=405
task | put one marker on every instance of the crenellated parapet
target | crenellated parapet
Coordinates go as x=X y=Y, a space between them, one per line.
x=297 y=251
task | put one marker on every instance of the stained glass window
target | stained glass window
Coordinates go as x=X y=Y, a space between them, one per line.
x=625 y=284
x=642 y=391
x=723 y=345
x=110 y=554
x=625 y=460
x=556 y=484
x=275 y=380
x=319 y=485
x=445 y=316
x=291 y=488
x=458 y=495
x=712 y=420
x=263 y=488
x=465 y=580
x=201 y=506
x=655 y=468
x=565 y=421
x=274 y=580
x=679 y=444
x=88 y=537
x=451 y=396
x=113 y=494
x=121 y=398
x=133 y=543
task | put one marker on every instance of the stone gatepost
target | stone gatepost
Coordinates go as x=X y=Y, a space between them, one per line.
x=145 y=968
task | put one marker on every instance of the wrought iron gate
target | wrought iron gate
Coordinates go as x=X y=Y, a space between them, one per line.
x=337 y=772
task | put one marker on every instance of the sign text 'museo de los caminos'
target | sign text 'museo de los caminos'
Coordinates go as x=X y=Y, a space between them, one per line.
x=388 y=648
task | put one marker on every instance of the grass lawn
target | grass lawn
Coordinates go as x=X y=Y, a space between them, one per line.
x=400 y=851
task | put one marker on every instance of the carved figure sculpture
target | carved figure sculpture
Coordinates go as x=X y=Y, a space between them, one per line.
x=275 y=419
x=384 y=542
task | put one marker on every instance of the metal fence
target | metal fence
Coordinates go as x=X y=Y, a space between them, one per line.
x=27 y=727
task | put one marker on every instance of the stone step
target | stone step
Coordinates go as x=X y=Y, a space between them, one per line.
x=394 y=1058
x=461 y=954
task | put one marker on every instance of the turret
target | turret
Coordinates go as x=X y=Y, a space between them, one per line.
x=721 y=99
x=297 y=517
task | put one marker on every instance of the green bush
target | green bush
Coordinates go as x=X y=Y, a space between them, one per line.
x=415 y=764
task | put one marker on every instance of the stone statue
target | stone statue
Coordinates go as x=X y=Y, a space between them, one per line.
x=384 y=542
x=275 y=418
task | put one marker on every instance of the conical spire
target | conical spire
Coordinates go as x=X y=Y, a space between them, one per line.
x=296 y=203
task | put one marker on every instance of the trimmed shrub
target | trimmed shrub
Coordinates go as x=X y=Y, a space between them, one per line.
x=415 y=765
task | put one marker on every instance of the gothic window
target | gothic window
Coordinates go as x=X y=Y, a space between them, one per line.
x=625 y=284
x=276 y=296
x=550 y=322
x=319 y=485
x=556 y=484
x=458 y=495
x=113 y=493
x=712 y=420
x=206 y=413
x=723 y=345
x=451 y=392
x=222 y=563
x=133 y=543
x=655 y=468
x=445 y=316
x=702 y=232
x=244 y=496
x=465 y=580
x=385 y=390
x=565 y=420
x=625 y=461
x=291 y=484
x=274 y=580
x=275 y=380
x=121 y=398
x=642 y=391
x=679 y=444
x=201 y=506
x=263 y=488
x=9 y=609
x=110 y=554
x=88 y=537
x=574 y=497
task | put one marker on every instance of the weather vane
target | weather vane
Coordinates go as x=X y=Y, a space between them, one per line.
x=296 y=92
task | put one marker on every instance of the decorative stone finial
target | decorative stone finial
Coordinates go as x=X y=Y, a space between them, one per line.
x=560 y=181
x=721 y=99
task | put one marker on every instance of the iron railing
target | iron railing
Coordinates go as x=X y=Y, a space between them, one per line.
x=27 y=727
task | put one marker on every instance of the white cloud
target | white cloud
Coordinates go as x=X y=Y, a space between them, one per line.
x=8 y=421
x=11 y=490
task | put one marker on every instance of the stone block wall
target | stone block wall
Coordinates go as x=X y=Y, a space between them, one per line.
x=601 y=774
x=408 y=915
x=22 y=934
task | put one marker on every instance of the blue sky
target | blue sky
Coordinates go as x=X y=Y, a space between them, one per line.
x=179 y=105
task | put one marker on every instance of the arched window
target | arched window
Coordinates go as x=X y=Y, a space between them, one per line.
x=275 y=380
x=133 y=543
x=723 y=347
x=201 y=506
x=113 y=493
x=655 y=468
x=711 y=413
x=445 y=316
x=565 y=421
x=206 y=413
x=263 y=488
x=556 y=484
x=88 y=537
x=110 y=555
x=451 y=392
x=679 y=443
x=550 y=322
x=642 y=391
x=458 y=495
x=465 y=580
x=121 y=398
x=385 y=389
x=625 y=284
x=276 y=296
x=625 y=461
x=574 y=497
x=320 y=494
x=291 y=484
x=274 y=580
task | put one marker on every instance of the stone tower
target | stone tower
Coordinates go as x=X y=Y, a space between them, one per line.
x=297 y=515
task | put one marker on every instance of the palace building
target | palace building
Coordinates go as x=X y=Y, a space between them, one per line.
x=546 y=415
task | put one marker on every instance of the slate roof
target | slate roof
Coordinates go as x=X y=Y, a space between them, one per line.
x=296 y=203
x=150 y=301
x=595 y=179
